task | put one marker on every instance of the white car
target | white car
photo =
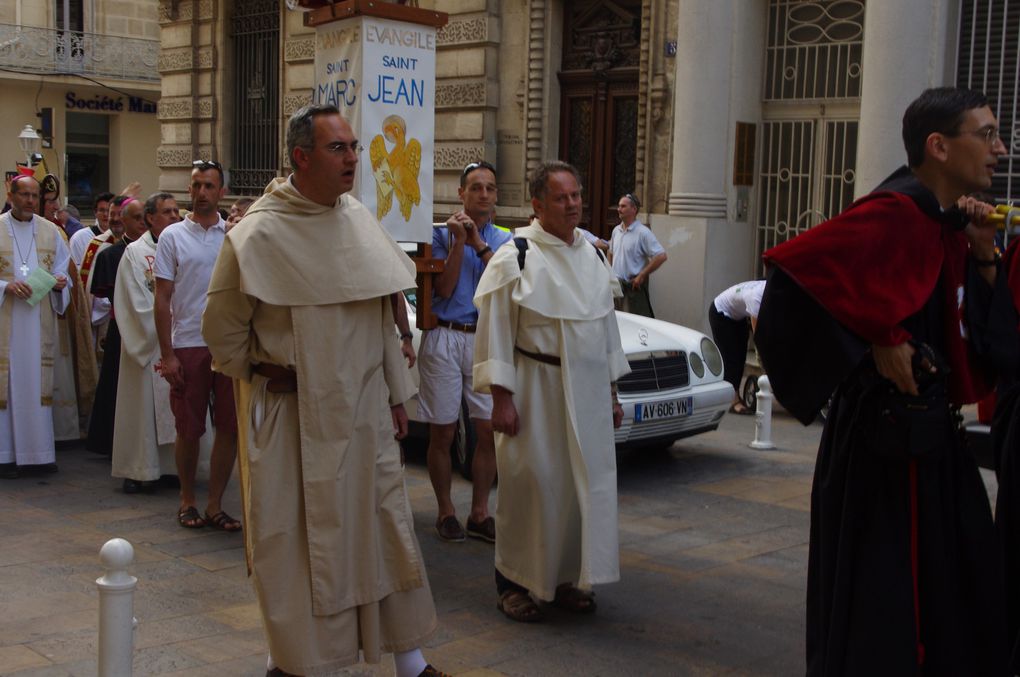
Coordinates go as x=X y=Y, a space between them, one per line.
x=675 y=388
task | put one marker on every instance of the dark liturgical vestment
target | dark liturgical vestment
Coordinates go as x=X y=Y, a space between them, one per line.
x=104 y=278
x=1006 y=446
x=903 y=572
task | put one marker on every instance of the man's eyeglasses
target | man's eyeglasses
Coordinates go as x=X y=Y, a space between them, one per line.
x=988 y=134
x=341 y=148
x=205 y=165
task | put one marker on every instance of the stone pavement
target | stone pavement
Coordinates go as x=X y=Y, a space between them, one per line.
x=713 y=560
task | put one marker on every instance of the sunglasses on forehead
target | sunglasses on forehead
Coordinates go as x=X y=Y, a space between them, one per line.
x=203 y=165
x=477 y=165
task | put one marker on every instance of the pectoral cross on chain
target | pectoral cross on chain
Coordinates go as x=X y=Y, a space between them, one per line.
x=24 y=269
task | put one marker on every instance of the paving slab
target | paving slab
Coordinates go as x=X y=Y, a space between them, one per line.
x=713 y=559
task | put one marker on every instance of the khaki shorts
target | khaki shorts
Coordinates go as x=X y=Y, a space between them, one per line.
x=445 y=361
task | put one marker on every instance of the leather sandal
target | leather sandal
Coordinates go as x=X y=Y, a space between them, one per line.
x=517 y=605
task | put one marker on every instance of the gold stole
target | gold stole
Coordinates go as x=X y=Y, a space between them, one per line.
x=46 y=251
x=89 y=259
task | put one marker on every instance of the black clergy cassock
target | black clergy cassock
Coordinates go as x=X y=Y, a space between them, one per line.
x=1006 y=446
x=903 y=575
x=104 y=278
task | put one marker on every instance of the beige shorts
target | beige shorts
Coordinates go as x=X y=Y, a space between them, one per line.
x=445 y=361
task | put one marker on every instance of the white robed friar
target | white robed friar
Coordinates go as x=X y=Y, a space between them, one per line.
x=556 y=509
x=143 y=433
x=31 y=341
x=328 y=526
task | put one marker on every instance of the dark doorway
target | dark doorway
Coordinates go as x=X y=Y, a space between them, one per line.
x=599 y=94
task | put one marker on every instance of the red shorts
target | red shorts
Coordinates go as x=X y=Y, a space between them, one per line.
x=202 y=387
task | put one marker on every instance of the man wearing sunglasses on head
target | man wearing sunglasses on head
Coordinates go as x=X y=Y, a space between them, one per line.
x=635 y=254
x=447 y=352
x=185 y=255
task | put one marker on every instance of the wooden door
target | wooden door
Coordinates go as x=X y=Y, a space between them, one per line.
x=599 y=109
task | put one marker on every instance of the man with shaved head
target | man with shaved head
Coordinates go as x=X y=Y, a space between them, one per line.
x=28 y=328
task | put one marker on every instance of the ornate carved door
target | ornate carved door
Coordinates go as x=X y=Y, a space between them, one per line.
x=599 y=94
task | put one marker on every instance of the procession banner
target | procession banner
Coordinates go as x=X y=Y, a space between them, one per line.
x=381 y=74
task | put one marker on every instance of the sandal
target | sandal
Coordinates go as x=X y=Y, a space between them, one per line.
x=517 y=605
x=189 y=518
x=574 y=599
x=741 y=410
x=223 y=522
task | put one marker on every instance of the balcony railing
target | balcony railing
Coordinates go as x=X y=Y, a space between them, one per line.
x=55 y=52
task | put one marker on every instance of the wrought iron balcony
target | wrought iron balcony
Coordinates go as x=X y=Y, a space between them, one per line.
x=55 y=52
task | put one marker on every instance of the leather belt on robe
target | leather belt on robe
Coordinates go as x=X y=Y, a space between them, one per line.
x=456 y=326
x=539 y=357
x=281 y=379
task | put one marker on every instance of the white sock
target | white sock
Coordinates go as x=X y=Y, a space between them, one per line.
x=409 y=663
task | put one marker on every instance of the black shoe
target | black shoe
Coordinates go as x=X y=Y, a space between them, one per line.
x=430 y=671
x=132 y=486
x=169 y=481
x=9 y=471
x=47 y=468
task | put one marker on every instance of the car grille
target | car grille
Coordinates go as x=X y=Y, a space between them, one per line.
x=660 y=370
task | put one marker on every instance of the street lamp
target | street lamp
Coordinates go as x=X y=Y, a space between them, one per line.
x=29 y=141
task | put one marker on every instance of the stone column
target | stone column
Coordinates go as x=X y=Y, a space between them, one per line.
x=701 y=108
x=908 y=47
x=187 y=109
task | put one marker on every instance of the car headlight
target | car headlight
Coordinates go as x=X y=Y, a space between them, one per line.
x=697 y=366
x=713 y=358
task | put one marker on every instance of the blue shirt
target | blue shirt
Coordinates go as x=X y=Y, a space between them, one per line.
x=460 y=307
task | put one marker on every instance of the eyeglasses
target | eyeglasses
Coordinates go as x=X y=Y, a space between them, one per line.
x=341 y=148
x=988 y=134
x=204 y=165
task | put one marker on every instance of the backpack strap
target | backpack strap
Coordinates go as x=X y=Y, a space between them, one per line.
x=522 y=249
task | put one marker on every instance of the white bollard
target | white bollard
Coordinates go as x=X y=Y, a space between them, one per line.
x=763 y=416
x=116 y=609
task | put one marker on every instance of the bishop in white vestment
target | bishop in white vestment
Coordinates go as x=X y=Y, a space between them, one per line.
x=28 y=333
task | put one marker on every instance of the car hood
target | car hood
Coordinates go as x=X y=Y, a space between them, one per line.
x=640 y=334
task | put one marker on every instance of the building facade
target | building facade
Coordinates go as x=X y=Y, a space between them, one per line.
x=739 y=123
x=84 y=74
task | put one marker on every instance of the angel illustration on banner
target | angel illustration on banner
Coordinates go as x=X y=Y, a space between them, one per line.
x=396 y=171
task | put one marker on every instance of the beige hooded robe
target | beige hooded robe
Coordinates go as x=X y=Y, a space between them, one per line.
x=329 y=529
x=556 y=517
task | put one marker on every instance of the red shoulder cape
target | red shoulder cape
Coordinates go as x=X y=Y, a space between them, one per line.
x=877 y=264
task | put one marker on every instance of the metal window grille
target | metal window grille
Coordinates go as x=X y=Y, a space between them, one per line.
x=988 y=61
x=813 y=50
x=807 y=176
x=256 y=42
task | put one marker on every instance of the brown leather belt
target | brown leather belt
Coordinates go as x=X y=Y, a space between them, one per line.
x=281 y=379
x=539 y=357
x=456 y=326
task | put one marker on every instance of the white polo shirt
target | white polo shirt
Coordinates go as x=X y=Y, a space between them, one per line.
x=185 y=254
x=632 y=248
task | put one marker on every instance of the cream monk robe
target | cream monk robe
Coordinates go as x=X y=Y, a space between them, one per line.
x=321 y=381
x=548 y=348
x=143 y=432
x=28 y=333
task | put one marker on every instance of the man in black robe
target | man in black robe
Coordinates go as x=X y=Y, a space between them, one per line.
x=128 y=211
x=1006 y=446
x=897 y=305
